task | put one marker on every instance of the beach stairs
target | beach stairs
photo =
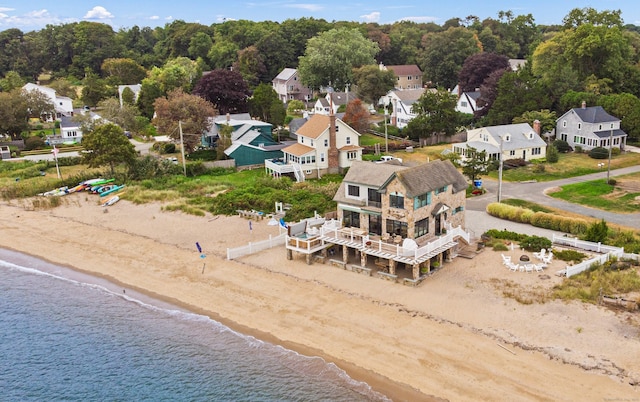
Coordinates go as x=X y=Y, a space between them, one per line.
x=471 y=250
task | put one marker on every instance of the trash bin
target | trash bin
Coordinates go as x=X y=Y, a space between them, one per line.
x=477 y=183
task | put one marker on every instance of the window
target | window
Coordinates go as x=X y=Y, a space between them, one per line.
x=507 y=138
x=337 y=128
x=422 y=227
x=422 y=200
x=530 y=136
x=536 y=151
x=600 y=127
x=458 y=209
x=441 y=190
x=396 y=228
x=409 y=77
x=375 y=224
x=326 y=142
x=311 y=142
x=374 y=198
x=464 y=104
x=348 y=140
x=564 y=123
x=579 y=126
x=351 y=155
x=396 y=200
x=321 y=157
x=512 y=152
x=351 y=219
x=353 y=191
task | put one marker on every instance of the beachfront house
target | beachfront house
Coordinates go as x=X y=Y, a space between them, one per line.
x=512 y=141
x=252 y=141
x=400 y=216
x=325 y=144
x=590 y=127
x=63 y=105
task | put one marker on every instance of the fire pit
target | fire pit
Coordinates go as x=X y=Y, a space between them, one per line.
x=524 y=258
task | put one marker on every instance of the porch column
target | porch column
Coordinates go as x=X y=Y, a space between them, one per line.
x=289 y=254
x=324 y=253
x=363 y=259
x=309 y=258
x=440 y=259
x=392 y=266
x=345 y=254
x=416 y=271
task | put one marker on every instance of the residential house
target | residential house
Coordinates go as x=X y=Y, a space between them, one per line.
x=325 y=144
x=517 y=64
x=512 y=141
x=401 y=103
x=251 y=140
x=63 y=105
x=136 y=88
x=408 y=76
x=70 y=130
x=467 y=102
x=288 y=86
x=400 y=215
x=590 y=127
x=335 y=99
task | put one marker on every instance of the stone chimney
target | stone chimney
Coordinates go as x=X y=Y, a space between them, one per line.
x=584 y=104
x=333 y=155
x=536 y=126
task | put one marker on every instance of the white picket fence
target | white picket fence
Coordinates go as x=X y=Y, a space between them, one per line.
x=254 y=247
x=609 y=251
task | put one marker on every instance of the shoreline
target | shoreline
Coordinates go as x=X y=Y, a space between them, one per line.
x=370 y=328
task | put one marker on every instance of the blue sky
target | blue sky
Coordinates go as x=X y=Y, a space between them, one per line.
x=29 y=15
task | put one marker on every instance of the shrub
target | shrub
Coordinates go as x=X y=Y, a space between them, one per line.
x=500 y=246
x=599 y=153
x=535 y=243
x=34 y=142
x=569 y=255
x=578 y=149
x=562 y=146
x=538 y=168
x=615 y=151
x=552 y=154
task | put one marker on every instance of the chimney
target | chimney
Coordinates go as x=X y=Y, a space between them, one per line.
x=584 y=104
x=536 y=126
x=333 y=155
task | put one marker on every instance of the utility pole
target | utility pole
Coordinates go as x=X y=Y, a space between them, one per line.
x=184 y=163
x=386 y=137
x=500 y=173
x=610 y=145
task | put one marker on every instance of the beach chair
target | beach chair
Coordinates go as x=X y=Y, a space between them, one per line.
x=538 y=267
x=506 y=259
x=541 y=254
x=528 y=268
x=513 y=267
x=548 y=258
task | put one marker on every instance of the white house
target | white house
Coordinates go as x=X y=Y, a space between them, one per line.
x=337 y=99
x=325 y=144
x=63 y=104
x=513 y=141
x=401 y=103
x=288 y=86
x=590 y=127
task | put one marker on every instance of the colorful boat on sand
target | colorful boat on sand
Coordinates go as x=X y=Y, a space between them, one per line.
x=56 y=192
x=111 y=190
x=111 y=201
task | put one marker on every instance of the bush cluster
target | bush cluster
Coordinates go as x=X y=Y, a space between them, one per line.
x=544 y=220
x=599 y=153
x=529 y=243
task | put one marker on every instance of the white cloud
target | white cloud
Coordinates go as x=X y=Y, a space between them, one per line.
x=372 y=17
x=169 y=18
x=3 y=9
x=306 y=7
x=98 y=13
x=419 y=19
x=36 y=18
x=154 y=17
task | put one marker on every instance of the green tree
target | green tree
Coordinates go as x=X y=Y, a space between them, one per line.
x=372 y=83
x=435 y=114
x=224 y=141
x=122 y=71
x=250 y=64
x=39 y=105
x=597 y=232
x=128 y=97
x=331 y=56
x=14 y=115
x=192 y=112
x=476 y=164
x=444 y=53
x=553 y=155
x=222 y=53
x=107 y=146
x=264 y=102
x=124 y=116
x=180 y=72
x=64 y=87
x=94 y=89
x=150 y=91
x=11 y=81
x=294 y=107
x=517 y=93
x=199 y=45
x=546 y=118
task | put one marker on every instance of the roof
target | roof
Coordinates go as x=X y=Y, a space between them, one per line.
x=428 y=177
x=365 y=173
x=352 y=147
x=518 y=137
x=610 y=133
x=342 y=98
x=594 y=114
x=296 y=123
x=286 y=74
x=298 y=149
x=405 y=69
x=408 y=96
x=66 y=121
x=315 y=126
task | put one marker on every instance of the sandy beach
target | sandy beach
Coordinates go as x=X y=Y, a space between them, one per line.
x=455 y=337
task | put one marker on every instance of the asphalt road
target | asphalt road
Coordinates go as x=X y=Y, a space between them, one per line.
x=142 y=147
x=535 y=192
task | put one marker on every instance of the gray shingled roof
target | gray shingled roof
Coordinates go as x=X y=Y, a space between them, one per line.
x=370 y=174
x=594 y=114
x=429 y=177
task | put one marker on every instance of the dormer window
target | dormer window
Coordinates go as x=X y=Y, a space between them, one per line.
x=564 y=123
x=600 y=127
x=579 y=126
x=507 y=138
x=530 y=136
x=348 y=139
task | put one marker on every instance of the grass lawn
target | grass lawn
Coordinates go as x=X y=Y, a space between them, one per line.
x=599 y=194
x=569 y=165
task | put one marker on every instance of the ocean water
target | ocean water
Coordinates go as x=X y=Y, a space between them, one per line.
x=67 y=336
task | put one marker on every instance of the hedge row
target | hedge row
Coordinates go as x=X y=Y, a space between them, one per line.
x=576 y=226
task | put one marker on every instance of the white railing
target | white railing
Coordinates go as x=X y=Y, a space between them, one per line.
x=233 y=253
x=278 y=167
x=609 y=251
